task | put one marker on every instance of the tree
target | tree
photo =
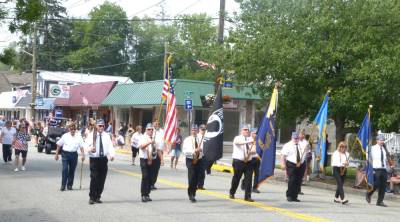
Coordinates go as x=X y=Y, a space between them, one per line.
x=310 y=46
x=103 y=41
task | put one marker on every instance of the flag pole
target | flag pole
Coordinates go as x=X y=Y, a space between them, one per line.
x=368 y=147
x=164 y=73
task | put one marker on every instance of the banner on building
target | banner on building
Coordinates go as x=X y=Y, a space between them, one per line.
x=59 y=91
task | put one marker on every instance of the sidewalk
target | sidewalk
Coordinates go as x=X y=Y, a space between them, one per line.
x=225 y=165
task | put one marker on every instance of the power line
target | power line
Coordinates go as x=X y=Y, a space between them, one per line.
x=145 y=9
x=118 y=64
x=126 y=20
x=189 y=6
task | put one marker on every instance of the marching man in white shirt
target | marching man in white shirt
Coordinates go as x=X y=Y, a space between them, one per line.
x=379 y=160
x=194 y=153
x=147 y=155
x=293 y=161
x=340 y=161
x=241 y=163
x=101 y=150
x=158 y=135
x=68 y=145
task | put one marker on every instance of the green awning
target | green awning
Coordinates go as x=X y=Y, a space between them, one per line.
x=149 y=93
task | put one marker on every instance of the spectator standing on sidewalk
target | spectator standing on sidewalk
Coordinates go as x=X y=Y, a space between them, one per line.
x=6 y=138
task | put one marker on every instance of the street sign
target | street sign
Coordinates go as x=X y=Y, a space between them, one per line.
x=188 y=104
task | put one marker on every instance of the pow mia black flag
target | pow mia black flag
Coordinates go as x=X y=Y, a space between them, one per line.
x=214 y=136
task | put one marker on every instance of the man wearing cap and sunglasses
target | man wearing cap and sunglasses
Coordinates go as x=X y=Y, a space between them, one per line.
x=101 y=150
x=192 y=149
x=69 y=144
x=379 y=158
x=241 y=165
x=293 y=161
x=146 y=151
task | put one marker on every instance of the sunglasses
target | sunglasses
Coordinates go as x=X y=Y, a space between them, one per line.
x=100 y=125
x=149 y=129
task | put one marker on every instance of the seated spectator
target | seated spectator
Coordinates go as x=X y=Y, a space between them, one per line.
x=394 y=180
x=360 y=177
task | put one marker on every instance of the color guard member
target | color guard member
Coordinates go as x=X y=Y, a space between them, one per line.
x=147 y=155
x=293 y=161
x=194 y=153
x=69 y=144
x=101 y=150
x=379 y=160
x=241 y=164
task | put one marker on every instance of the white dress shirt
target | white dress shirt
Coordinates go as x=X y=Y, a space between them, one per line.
x=108 y=147
x=135 y=139
x=144 y=152
x=339 y=158
x=289 y=150
x=376 y=157
x=240 y=150
x=70 y=143
x=189 y=146
x=159 y=138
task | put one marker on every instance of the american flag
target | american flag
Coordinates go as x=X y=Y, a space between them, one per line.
x=167 y=77
x=170 y=120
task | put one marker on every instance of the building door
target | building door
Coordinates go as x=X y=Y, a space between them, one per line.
x=147 y=117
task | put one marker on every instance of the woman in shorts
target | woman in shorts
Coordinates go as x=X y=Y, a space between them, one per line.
x=20 y=145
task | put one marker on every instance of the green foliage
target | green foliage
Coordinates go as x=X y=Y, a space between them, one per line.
x=26 y=13
x=349 y=46
x=9 y=57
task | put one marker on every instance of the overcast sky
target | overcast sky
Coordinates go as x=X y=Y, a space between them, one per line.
x=140 y=8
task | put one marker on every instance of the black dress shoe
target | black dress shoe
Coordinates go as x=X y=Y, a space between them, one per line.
x=69 y=187
x=301 y=193
x=248 y=199
x=91 y=202
x=231 y=196
x=289 y=199
x=148 y=198
x=368 y=198
x=144 y=199
x=381 y=204
x=296 y=200
x=192 y=199
x=201 y=188
x=153 y=188
x=255 y=190
x=62 y=188
x=98 y=201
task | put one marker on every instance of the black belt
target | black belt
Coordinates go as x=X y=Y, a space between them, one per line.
x=63 y=151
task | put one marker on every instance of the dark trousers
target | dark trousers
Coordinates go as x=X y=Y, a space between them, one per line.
x=202 y=174
x=7 y=152
x=208 y=166
x=255 y=162
x=98 y=174
x=69 y=161
x=147 y=171
x=135 y=150
x=255 y=168
x=339 y=182
x=156 y=168
x=295 y=175
x=380 y=180
x=240 y=168
x=194 y=171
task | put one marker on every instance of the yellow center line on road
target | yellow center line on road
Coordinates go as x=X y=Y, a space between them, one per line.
x=289 y=213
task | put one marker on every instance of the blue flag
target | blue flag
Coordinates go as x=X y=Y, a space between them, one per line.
x=266 y=139
x=321 y=122
x=364 y=138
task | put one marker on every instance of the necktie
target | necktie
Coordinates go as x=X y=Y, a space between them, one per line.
x=297 y=154
x=383 y=165
x=101 y=146
x=195 y=143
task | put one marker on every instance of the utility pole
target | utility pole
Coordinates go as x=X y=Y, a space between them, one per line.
x=34 y=72
x=221 y=21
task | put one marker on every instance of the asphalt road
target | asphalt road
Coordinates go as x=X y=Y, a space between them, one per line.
x=33 y=195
